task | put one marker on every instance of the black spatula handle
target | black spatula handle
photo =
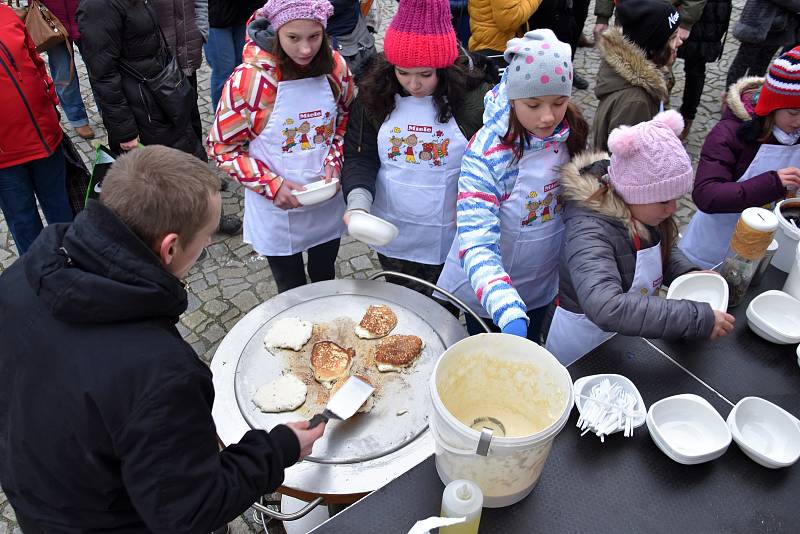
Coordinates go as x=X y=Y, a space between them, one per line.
x=317 y=419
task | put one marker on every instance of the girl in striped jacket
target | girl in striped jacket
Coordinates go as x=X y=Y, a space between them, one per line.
x=279 y=126
x=504 y=261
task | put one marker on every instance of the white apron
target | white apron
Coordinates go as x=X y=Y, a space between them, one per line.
x=417 y=183
x=573 y=335
x=294 y=145
x=707 y=238
x=531 y=230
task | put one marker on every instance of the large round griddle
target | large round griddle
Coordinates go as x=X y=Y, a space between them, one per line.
x=367 y=451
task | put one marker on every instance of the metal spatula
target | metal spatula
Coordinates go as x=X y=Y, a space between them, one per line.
x=345 y=402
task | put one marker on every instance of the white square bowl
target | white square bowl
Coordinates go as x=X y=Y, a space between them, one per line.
x=583 y=387
x=316 y=192
x=775 y=316
x=688 y=429
x=701 y=287
x=765 y=432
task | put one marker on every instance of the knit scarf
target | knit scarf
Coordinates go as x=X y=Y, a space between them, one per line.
x=559 y=135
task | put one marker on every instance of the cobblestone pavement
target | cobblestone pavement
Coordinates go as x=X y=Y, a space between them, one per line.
x=233 y=279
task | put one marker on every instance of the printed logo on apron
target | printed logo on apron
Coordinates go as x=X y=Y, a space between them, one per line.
x=545 y=209
x=294 y=145
x=707 y=238
x=573 y=335
x=417 y=183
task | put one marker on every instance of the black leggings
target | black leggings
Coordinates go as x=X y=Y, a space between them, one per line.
x=695 y=68
x=289 y=273
x=750 y=60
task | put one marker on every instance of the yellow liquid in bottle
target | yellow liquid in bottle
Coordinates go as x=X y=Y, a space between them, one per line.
x=470 y=527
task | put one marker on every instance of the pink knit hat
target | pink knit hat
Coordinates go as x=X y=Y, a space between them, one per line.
x=421 y=35
x=279 y=12
x=648 y=161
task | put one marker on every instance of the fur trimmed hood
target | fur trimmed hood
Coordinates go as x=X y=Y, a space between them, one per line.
x=578 y=186
x=631 y=65
x=741 y=97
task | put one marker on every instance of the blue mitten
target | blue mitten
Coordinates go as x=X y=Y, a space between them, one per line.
x=517 y=327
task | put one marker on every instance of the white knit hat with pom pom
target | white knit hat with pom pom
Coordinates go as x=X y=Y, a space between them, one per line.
x=648 y=161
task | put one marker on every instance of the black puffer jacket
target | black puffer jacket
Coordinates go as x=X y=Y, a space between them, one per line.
x=705 y=41
x=178 y=20
x=125 y=30
x=105 y=412
x=227 y=13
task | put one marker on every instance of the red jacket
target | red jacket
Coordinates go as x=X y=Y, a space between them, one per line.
x=65 y=10
x=29 y=127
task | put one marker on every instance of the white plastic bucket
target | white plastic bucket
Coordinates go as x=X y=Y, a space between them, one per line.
x=513 y=380
x=787 y=237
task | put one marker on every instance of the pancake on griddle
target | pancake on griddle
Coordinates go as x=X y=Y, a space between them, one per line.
x=284 y=394
x=394 y=353
x=330 y=362
x=377 y=322
x=368 y=404
x=288 y=333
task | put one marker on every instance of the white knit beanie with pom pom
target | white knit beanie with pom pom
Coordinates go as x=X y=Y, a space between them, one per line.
x=648 y=161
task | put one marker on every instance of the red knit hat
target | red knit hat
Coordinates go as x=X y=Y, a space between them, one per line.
x=781 y=88
x=421 y=35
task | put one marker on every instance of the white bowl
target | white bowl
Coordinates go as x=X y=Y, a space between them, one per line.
x=583 y=388
x=370 y=229
x=316 y=192
x=775 y=316
x=701 y=287
x=766 y=433
x=688 y=429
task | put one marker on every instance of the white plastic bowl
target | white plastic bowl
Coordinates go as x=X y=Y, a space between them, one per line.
x=688 y=429
x=701 y=287
x=583 y=388
x=775 y=316
x=316 y=192
x=370 y=229
x=766 y=433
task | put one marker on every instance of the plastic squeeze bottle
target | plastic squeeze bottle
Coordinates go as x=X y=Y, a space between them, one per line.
x=462 y=498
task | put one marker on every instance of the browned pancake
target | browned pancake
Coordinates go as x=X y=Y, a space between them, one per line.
x=368 y=404
x=377 y=322
x=395 y=352
x=330 y=362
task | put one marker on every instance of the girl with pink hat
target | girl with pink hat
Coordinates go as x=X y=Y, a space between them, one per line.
x=279 y=126
x=418 y=104
x=619 y=244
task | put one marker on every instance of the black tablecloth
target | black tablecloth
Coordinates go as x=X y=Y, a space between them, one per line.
x=742 y=364
x=623 y=485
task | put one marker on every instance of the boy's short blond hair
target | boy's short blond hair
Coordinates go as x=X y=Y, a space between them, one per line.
x=157 y=190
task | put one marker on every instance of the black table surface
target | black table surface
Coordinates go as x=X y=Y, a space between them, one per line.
x=742 y=364
x=622 y=485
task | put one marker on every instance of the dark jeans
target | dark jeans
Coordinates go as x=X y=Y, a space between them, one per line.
x=289 y=273
x=695 y=69
x=535 y=316
x=750 y=60
x=224 y=53
x=21 y=186
x=424 y=271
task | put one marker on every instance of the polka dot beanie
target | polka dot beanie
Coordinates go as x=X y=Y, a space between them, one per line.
x=538 y=65
x=421 y=35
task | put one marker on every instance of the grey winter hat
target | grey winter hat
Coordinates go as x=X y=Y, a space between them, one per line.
x=538 y=65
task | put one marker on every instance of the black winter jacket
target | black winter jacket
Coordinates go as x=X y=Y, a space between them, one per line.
x=125 y=30
x=227 y=13
x=105 y=412
x=706 y=39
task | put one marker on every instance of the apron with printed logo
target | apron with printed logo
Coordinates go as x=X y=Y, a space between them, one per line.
x=294 y=144
x=573 y=335
x=707 y=238
x=417 y=183
x=531 y=230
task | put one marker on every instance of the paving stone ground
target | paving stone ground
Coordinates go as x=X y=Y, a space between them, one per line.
x=233 y=279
